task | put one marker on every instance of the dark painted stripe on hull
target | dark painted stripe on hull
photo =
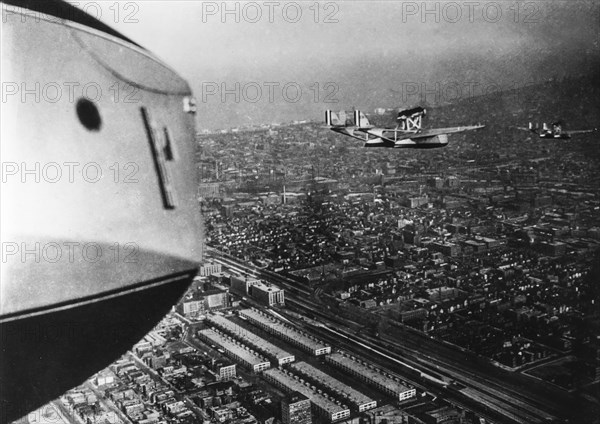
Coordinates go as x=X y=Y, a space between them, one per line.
x=60 y=348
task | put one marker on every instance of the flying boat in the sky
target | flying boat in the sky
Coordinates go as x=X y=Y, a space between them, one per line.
x=408 y=132
x=554 y=130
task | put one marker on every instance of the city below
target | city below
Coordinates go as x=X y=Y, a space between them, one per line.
x=351 y=285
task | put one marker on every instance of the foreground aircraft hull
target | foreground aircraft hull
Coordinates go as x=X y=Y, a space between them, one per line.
x=101 y=231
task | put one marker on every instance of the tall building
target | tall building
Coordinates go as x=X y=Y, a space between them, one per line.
x=202 y=301
x=435 y=182
x=267 y=294
x=415 y=201
x=210 y=268
x=223 y=370
x=241 y=286
x=210 y=190
x=295 y=409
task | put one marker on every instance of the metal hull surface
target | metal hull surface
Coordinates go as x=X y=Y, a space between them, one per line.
x=101 y=228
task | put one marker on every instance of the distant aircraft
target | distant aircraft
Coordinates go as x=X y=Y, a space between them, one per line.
x=408 y=133
x=556 y=131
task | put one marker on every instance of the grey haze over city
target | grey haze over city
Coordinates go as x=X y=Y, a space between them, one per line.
x=238 y=57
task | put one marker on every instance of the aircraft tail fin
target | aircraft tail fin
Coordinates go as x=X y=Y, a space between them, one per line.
x=332 y=119
x=361 y=120
x=534 y=127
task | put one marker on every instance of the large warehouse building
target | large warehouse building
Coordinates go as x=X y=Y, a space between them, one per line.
x=286 y=332
x=392 y=386
x=247 y=337
x=235 y=350
x=358 y=400
x=324 y=407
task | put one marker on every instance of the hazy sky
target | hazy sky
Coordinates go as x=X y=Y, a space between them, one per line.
x=363 y=54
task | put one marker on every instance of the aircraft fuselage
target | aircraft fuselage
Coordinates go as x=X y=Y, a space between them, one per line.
x=390 y=139
x=555 y=136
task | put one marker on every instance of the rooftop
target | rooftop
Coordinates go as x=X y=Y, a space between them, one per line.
x=233 y=347
x=281 y=328
x=371 y=373
x=249 y=337
x=344 y=390
x=295 y=385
